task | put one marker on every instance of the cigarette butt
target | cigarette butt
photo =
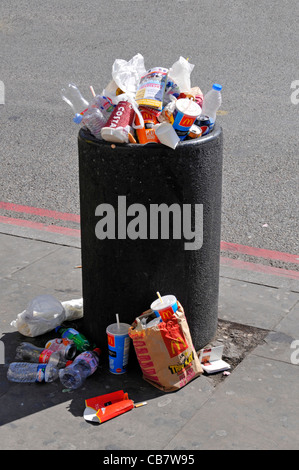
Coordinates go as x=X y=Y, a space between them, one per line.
x=78 y=266
x=141 y=403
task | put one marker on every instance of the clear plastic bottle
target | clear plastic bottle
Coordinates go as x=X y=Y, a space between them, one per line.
x=73 y=376
x=105 y=105
x=211 y=103
x=72 y=96
x=30 y=372
x=85 y=113
x=93 y=119
x=29 y=353
x=58 y=360
x=80 y=341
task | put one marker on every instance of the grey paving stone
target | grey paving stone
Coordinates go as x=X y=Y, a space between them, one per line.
x=253 y=304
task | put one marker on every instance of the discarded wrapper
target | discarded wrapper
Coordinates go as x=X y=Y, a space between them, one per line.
x=211 y=360
x=104 y=407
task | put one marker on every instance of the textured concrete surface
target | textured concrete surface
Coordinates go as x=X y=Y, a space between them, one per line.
x=256 y=407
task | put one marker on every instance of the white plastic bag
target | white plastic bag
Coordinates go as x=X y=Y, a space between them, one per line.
x=127 y=74
x=73 y=309
x=43 y=314
x=180 y=73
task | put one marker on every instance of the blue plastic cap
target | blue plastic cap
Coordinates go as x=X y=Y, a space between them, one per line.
x=78 y=118
x=217 y=87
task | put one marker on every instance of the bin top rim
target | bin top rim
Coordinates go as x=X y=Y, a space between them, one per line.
x=84 y=134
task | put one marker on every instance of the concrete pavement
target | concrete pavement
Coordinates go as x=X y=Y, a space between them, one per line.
x=256 y=407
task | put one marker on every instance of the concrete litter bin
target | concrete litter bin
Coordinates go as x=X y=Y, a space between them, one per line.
x=150 y=221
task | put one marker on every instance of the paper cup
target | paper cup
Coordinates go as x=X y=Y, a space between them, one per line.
x=118 y=347
x=166 y=308
x=185 y=113
x=166 y=134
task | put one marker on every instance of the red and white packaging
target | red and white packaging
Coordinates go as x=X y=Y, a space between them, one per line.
x=119 y=125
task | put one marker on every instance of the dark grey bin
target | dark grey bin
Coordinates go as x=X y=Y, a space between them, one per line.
x=122 y=275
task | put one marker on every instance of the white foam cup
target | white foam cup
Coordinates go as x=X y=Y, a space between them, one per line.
x=166 y=134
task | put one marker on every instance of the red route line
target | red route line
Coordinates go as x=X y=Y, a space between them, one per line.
x=261 y=268
x=41 y=212
x=259 y=252
x=38 y=226
x=225 y=246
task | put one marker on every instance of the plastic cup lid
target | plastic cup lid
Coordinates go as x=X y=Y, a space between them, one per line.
x=116 y=330
x=188 y=107
x=168 y=301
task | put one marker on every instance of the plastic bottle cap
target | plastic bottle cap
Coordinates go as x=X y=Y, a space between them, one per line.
x=78 y=118
x=98 y=351
x=217 y=87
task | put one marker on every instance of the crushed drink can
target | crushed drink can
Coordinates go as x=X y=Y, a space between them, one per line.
x=119 y=125
x=204 y=123
x=66 y=346
x=194 y=132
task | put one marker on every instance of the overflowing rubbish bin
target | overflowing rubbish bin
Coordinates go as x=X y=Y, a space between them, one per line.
x=150 y=174
x=150 y=221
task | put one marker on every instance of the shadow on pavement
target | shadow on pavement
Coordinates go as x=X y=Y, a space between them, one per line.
x=19 y=400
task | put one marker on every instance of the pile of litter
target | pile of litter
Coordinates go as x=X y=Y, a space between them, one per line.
x=141 y=106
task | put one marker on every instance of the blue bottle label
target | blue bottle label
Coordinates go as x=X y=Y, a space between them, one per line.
x=40 y=373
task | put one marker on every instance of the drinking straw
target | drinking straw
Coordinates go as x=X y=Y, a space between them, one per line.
x=158 y=294
x=117 y=320
x=92 y=91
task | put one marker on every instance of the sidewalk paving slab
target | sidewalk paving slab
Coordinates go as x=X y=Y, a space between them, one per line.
x=256 y=407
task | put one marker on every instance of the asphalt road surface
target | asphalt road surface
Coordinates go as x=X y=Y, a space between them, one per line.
x=250 y=47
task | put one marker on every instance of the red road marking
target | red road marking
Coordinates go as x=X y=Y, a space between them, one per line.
x=38 y=226
x=261 y=268
x=225 y=246
x=259 y=252
x=41 y=212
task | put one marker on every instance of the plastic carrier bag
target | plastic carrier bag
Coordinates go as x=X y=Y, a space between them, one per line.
x=44 y=313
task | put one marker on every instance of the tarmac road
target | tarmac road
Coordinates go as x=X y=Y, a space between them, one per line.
x=251 y=48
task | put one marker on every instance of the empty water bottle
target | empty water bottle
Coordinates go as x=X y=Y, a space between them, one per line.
x=211 y=103
x=105 y=105
x=29 y=372
x=93 y=119
x=84 y=365
x=72 y=96
x=86 y=113
x=27 y=352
